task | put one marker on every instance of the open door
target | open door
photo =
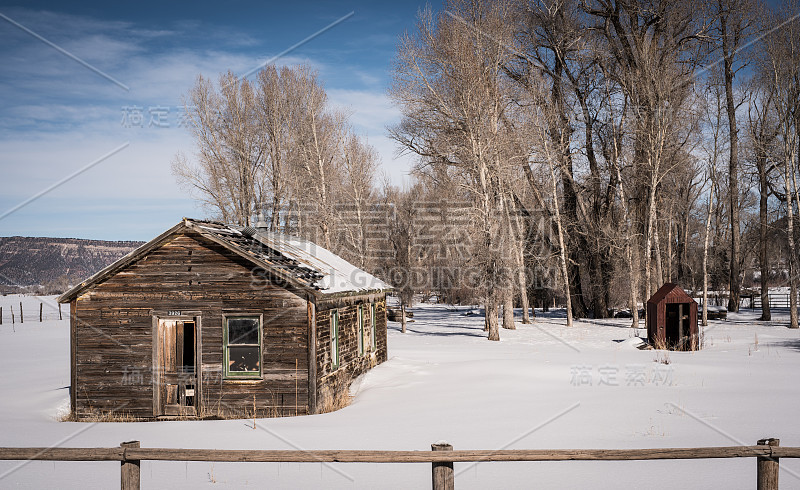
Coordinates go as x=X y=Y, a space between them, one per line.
x=678 y=326
x=175 y=380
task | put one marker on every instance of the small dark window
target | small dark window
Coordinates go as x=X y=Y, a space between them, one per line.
x=243 y=330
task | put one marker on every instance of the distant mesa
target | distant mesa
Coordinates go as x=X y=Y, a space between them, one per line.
x=50 y=265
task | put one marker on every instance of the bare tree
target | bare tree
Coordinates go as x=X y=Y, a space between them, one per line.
x=781 y=68
x=732 y=28
x=276 y=146
x=276 y=115
x=712 y=180
x=762 y=132
x=561 y=243
x=448 y=85
x=654 y=47
x=230 y=148
x=317 y=156
x=359 y=164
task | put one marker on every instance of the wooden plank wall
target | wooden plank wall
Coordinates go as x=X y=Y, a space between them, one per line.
x=332 y=384
x=113 y=333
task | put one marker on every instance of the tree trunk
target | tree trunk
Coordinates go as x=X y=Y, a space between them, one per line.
x=634 y=277
x=516 y=235
x=560 y=134
x=492 y=325
x=669 y=247
x=508 y=309
x=659 y=261
x=522 y=283
x=598 y=269
x=562 y=251
x=789 y=167
x=526 y=306
x=733 y=167
x=648 y=242
x=629 y=248
x=763 y=215
x=705 y=254
x=577 y=301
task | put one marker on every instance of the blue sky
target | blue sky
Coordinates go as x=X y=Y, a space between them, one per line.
x=58 y=116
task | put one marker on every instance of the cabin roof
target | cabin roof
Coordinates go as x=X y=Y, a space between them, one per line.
x=300 y=262
x=672 y=290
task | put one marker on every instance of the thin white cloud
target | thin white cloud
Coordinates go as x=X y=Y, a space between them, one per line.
x=371 y=113
x=371 y=110
x=56 y=116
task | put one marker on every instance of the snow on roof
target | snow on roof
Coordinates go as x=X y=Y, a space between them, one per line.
x=338 y=275
x=303 y=262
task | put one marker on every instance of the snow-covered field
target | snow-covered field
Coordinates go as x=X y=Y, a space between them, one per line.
x=541 y=386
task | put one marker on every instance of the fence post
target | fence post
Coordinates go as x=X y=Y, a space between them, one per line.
x=130 y=468
x=767 y=467
x=40 y=312
x=21 y=318
x=442 y=473
x=1 y=315
x=59 y=312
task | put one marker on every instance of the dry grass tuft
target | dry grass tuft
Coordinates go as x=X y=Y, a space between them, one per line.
x=101 y=417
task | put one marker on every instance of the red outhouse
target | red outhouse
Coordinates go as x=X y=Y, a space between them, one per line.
x=672 y=319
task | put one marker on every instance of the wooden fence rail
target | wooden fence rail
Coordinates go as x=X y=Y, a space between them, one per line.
x=442 y=456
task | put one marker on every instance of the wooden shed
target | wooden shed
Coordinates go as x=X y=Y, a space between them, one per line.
x=672 y=319
x=213 y=320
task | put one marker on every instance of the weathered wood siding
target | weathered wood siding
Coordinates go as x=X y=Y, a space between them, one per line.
x=113 y=332
x=333 y=383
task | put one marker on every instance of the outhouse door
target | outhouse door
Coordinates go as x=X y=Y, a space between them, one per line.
x=175 y=388
x=677 y=323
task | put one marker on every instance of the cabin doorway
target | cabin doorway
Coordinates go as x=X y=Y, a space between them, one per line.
x=175 y=387
x=677 y=325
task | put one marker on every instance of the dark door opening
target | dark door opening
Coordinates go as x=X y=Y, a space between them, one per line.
x=672 y=325
x=177 y=368
x=186 y=363
x=677 y=326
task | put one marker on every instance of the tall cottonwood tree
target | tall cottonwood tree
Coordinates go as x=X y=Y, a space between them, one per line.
x=453 y=100
x=714 y=146
x=762 y=131
x=552 y=39
x=653 y=48
x=780 y=69
x=731 y=31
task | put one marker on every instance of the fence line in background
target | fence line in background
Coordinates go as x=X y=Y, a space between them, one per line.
x=752 y=301
x=775 y=300
x=441 y=457
x=12 y=316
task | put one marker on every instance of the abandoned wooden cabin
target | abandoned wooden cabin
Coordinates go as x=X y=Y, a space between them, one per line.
x=212 y=320
x=672 y=319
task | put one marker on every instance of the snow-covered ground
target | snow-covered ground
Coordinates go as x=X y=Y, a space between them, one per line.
x=542 y=386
